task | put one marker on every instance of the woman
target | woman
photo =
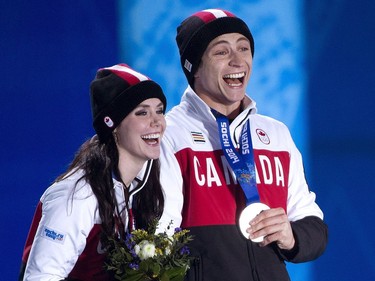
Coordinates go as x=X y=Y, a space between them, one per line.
x=100 y=195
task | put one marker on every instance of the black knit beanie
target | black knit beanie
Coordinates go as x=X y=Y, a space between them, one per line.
x=197 y=31
x=115 y=92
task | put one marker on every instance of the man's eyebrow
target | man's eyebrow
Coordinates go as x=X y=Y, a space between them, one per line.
x=224 y=41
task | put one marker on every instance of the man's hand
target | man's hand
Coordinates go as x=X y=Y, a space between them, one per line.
x=274 y=225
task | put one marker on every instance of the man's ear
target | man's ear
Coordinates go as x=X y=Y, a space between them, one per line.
x=196 y=74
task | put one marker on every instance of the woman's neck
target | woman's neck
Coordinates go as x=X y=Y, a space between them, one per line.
x=129 y=169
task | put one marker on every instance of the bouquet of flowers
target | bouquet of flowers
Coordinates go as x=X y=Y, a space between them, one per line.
x=145 y=255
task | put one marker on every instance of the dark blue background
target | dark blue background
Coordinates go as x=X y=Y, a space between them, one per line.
x=51 y=50
x=341 y=95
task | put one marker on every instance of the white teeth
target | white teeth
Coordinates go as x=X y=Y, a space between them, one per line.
x=151 y=136
x=234 y=75
x=235 y=85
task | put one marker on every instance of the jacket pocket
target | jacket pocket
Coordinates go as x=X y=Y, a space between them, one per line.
x=195 y=271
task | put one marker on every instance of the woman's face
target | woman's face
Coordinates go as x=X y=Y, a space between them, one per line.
x=140 y=133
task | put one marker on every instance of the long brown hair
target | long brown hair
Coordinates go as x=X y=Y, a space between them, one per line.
x=99 y=162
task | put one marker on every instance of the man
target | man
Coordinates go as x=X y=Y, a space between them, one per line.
x=214 y=129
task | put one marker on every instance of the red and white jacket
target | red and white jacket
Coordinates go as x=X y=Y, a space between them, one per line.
x=192 y=157
x=64 y=238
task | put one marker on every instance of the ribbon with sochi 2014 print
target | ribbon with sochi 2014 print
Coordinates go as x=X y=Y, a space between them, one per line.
x=243 y=166
x=242 y=162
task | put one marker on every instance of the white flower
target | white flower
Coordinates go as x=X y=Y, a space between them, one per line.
x=137 y=248
x=167 y=249
x=146 y=250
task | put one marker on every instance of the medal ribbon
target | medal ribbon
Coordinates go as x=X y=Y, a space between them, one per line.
x=242 y=161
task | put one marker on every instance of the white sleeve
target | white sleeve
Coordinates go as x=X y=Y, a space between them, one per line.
x=171 y=181
x=62 y=232
x=301 y=201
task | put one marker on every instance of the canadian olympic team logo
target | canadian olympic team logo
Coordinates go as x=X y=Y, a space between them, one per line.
x=108 y=121
x=263 y=136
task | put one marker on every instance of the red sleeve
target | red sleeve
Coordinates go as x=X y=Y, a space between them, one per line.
x=32 y=231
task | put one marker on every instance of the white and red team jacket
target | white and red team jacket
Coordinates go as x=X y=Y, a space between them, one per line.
x=192 y=154
x=64 y=238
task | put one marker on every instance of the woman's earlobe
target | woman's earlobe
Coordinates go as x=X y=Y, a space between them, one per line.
x=115 y=136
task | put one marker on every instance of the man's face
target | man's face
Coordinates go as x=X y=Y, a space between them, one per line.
x=224 y=71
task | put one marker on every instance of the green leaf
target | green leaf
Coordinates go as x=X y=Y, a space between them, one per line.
x=177 y=273
x=164 y=277
x=155 y=269
x=134 y=275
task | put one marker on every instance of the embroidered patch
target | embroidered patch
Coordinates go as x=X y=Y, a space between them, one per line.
x=198 y=137
x=263 y=136
x=53 y=235
x=188 y=65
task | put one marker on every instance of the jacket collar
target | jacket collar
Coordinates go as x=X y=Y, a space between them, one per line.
x=198 y=106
